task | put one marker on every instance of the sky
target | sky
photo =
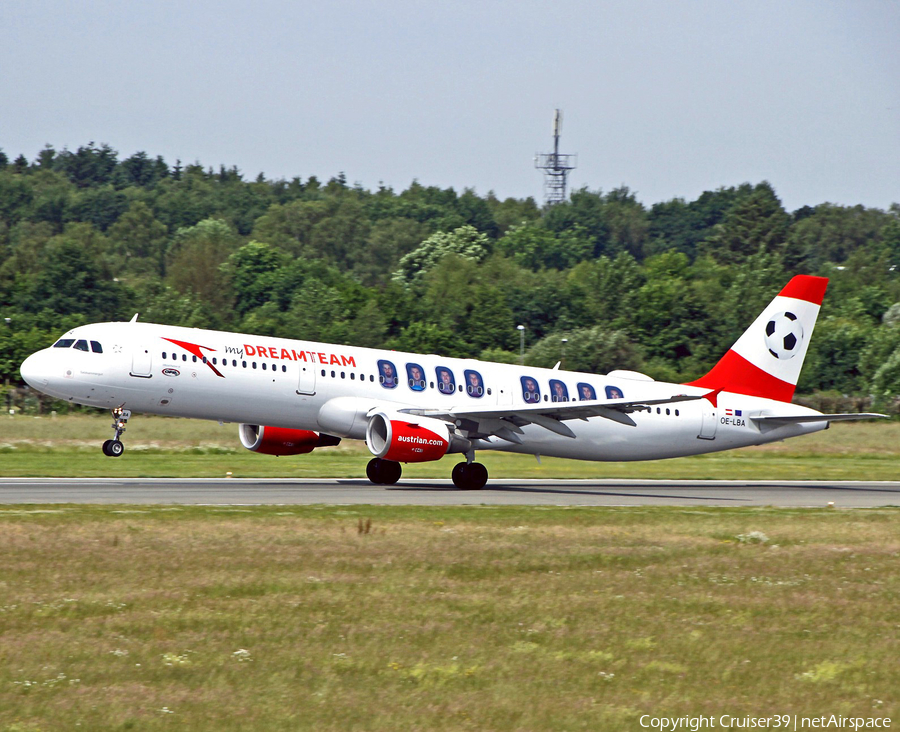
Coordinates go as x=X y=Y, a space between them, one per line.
x=668 y=97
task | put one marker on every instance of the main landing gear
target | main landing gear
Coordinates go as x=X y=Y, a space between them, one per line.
x=383 y=472
x=114 y=447
x=469 y=476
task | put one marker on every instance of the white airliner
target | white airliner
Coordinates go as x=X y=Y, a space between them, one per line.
x=291 y=397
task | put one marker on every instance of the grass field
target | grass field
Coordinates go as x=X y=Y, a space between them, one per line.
x=316 y=618
x=164 y=447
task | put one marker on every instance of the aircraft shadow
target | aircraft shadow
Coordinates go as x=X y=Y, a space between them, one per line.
x=501 y=488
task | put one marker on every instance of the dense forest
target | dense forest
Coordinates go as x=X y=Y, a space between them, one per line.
x=86 y=236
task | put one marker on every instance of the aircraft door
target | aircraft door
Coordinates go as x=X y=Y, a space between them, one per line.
x=710 y=420
x=141 y=363
x=307 y=383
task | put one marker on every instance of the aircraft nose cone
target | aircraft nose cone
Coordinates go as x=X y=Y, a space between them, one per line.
x=34 y=371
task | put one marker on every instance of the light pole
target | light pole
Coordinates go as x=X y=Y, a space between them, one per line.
x=521 y=329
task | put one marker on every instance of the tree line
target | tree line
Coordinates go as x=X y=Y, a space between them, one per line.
x=600 y=282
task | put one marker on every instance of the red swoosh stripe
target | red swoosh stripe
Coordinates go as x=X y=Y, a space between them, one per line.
x=806 y=287
x=194 y=349
x=736 y=374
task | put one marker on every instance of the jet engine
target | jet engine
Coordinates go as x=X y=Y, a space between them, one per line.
x=404 y=438
x=283 y=440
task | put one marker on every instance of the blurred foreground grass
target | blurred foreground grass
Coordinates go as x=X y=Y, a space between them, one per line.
x=491 y=618
x=166 y=447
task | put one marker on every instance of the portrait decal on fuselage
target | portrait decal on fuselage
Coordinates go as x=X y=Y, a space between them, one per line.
x=387 y=374
x=586 y=392
x=474 y=383
x=558 y=391
x=531 y=392
x=446 y=384
x=415 y=376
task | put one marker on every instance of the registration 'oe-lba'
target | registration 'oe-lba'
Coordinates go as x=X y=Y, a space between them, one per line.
x=291 y=397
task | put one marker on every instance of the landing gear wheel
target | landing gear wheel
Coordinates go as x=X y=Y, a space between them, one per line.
x=390 y=472
x=113 y=448
x=372 y=472
x=469 y=476
x=383 y=472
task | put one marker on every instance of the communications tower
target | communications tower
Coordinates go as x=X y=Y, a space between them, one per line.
x=556 y=166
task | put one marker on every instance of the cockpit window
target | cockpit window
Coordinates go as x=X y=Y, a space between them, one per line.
x=64 y=343
x=81 y=346
x=96 y=347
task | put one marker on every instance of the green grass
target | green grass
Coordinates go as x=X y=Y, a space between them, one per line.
x=500 y=618
x=163 y=447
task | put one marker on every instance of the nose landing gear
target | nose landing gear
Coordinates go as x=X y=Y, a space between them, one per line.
x=114 y=447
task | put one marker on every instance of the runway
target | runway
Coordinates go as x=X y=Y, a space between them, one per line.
x=500 y=492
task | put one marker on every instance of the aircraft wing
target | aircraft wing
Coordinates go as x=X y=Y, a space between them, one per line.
x=506 y=422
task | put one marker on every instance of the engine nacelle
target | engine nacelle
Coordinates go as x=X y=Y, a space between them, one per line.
x=283 y=440
x=407 y=439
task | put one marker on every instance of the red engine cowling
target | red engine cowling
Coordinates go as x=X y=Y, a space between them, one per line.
x=407 y=439
x=282 y=440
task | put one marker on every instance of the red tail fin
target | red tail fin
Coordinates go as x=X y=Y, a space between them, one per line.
x=766 y=360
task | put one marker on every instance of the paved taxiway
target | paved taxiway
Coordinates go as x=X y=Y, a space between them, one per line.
x=843 y=494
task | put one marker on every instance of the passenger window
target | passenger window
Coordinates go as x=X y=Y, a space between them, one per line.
x=283 y=369
x=264 y=366
x=586 y=392
x=415 y=376
x=164 y=356
x=387 y=374
x=184 y=357
x=64 y=343
x=558 y=391
x=474 y=383
x=445 y=381
x=81 y=346
x=531 y=392
x=614 y=392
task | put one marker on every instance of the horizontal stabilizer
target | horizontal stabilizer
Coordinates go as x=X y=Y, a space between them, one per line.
x=799 y=419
